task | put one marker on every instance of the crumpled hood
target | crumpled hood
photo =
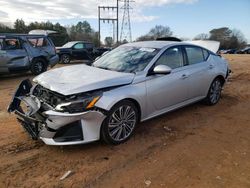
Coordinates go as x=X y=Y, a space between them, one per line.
x=81 y=78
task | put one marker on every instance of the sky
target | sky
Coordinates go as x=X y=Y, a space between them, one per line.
x=186 y=18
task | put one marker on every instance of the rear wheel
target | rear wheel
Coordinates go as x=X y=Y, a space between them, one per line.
x=65 y=59
x=120 y=123
x=214 y=92
x=38 y=66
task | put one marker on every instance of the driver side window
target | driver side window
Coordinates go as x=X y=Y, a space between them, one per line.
x=79 y=46
x=12 y=44
x=172 y=57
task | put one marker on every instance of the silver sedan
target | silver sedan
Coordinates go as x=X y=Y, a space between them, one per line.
x=132 y=83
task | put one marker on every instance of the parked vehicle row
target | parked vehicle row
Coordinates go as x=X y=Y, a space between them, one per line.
x=33 y=53
x=244 y=51
x=133 y=83
x=234 y=51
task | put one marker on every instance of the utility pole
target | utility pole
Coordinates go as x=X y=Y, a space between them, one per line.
x=126 y=26
x=114 y=20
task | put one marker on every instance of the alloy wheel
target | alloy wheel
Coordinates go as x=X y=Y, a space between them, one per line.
x=65 y=59
x=215 y=91
x=122 y=123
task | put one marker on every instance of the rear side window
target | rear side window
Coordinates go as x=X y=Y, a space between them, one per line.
x=89 y=45
x=172 y=57
x=38 y=42
x=194 y=55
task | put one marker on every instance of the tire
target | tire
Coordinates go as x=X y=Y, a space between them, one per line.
x=214 y=92
x=38 y=66
x=65 y=59
x=116 y=130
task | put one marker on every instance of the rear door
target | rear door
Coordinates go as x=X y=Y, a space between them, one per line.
x=43 y=45
x=164 y=91
x=200 y=71
x=47 y=45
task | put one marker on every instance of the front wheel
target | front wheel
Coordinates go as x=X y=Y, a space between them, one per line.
x=214 y=92
x=120 y=123
x=65 y=59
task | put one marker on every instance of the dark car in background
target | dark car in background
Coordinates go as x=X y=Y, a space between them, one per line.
x=100 y=51
x=26 y=52
x=75 y=50
x=244 y=51
x=228 y=51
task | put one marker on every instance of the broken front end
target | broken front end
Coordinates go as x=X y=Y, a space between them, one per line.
x=57 y=119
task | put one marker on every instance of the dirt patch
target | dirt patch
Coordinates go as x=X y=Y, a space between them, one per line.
x=197 y=146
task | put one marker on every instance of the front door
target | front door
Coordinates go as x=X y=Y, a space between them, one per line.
x=79 y=52
x=12 y=55
x=164 y=91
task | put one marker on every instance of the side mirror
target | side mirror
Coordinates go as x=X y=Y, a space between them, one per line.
x=162 y=69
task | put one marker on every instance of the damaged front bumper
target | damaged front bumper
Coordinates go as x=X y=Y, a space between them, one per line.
x=54 y=128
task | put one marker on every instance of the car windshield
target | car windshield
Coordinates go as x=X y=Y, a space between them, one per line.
x=126 y=59
x=69 y=44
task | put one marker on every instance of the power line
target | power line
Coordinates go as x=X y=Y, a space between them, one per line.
x=113 y=19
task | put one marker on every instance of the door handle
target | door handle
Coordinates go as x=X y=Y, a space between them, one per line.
x=211 y=66
x=184 y=76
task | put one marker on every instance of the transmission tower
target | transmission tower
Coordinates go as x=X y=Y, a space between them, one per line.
x=126 y=26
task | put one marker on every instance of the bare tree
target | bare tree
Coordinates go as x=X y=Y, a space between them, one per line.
x=201 y=36
x=156 y=32
x=160 y=31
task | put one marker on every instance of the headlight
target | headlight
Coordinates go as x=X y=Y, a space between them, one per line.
x=79 y=105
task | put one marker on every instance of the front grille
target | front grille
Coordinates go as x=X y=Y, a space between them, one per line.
x=47 y=96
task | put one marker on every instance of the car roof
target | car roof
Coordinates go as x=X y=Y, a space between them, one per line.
x=162 y=44
x=74 y=42
x=153 y=44
x=4 y=35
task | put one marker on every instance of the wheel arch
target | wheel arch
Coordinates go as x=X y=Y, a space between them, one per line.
x=41 y=57
x=136 y=103
x=221 y=78
x=65 y=53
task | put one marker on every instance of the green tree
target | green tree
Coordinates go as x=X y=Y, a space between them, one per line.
x=229 y=39
x=5 y=29
x=20 y=26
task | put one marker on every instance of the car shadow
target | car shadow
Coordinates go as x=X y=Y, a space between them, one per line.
x=147 y=130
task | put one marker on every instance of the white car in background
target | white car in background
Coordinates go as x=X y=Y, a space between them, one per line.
x=135 y=82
